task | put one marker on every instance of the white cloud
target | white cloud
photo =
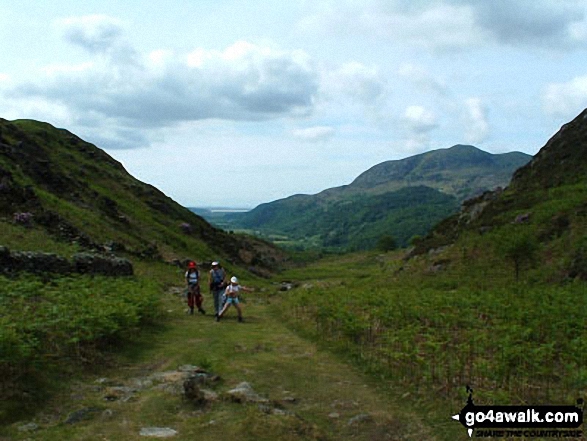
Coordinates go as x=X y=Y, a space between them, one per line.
x=95 y=33
x=541 y=23
x=477 y=127
x=439 y=26
x=243 y=82
x=314 y=134
x=362 y=84
x=457 y=24
x=420 y=122
x=419 y=119
x=566 y=99
x=422 y=79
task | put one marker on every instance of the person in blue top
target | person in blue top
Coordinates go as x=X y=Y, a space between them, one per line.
x=192 y=278
x=217 y=284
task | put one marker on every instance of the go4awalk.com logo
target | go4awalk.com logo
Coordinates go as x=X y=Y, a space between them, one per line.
x=521 y=421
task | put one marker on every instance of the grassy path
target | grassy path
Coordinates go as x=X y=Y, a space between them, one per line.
x=311 y=394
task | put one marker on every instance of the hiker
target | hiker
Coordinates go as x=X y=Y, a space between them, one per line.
x=192 y=278
x=232 y=298
x=217 y=283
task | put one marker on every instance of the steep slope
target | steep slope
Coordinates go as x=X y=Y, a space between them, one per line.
x=69 y=191
x=541 y=216
x=403 y=198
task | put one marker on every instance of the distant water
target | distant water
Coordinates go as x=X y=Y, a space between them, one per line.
x=229 y=210
x=220 y=210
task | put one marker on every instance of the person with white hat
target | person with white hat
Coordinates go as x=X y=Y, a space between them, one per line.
x=232 y=293
x=217 y=283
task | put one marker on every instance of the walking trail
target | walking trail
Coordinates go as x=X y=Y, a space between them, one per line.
x=196 y=379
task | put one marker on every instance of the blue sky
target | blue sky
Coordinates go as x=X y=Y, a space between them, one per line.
x=238 y=103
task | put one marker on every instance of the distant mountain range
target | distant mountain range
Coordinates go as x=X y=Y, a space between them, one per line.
x=400 y=198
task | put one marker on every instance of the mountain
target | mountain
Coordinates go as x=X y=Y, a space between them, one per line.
x=463 y=171
x=401 y=198
x=73 y=196
x=542 y=211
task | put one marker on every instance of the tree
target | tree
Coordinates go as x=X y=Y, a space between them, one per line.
x=520 y=249
x=386 y=243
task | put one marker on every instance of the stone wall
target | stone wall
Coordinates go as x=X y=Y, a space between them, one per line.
x=12 y=262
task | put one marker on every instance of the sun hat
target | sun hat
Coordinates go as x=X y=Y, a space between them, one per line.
x=192 y=264
x=233 y=279
x=214 y=263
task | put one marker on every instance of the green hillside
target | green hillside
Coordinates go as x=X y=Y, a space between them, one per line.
x=494 y=297
x=79 y=198
x=401 y=199
x=69 y=214
x=355 y=223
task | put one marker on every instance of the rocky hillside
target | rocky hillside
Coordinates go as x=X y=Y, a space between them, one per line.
x=544 y=208
x=70 y=196
x=402 y=199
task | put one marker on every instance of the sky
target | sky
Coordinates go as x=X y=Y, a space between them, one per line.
x=234 y=103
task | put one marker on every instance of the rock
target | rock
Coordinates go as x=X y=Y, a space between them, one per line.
x=190 y=368
x=158 y=432
x=359 y=419
x=334 y=415
x=80 y=415
x=210 y=395
x=107 y=414
x=269 y=410
x=192 y=392
x=169 y=376
x=244 y=393
x=29 y=427
x=522 y=218
x=287 y=286
x=122 y=393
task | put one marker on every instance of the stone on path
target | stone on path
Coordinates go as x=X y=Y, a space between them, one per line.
x=244 y=393
x=158 y=432
x=361 y=418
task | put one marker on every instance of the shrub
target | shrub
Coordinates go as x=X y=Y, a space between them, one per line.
x=386 y=243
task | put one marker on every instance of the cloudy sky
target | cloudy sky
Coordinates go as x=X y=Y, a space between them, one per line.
x=227 y=102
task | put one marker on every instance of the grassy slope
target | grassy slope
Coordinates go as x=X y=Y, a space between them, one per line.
x=354 y=223
x=262 y=351
x=69 y=184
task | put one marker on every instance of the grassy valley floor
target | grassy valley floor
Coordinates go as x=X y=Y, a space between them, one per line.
x=300 y=391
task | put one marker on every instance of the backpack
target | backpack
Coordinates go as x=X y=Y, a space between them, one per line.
x=217 y=279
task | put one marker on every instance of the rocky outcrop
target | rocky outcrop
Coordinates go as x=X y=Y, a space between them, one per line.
x=86 y=263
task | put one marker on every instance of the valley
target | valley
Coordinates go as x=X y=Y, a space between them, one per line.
x=362 y=345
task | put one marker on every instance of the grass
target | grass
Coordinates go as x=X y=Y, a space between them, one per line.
x=21 y=238
x=429 y=332
x=262 y=351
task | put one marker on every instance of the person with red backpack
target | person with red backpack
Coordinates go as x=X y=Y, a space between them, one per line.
x=194 y=295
